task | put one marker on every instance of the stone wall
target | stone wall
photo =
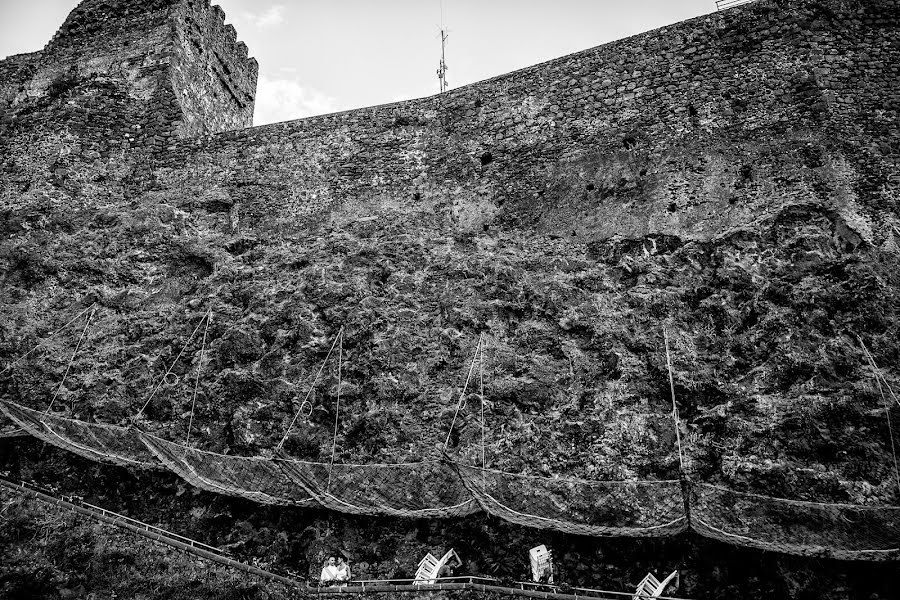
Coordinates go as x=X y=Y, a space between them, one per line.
x=113 y=86
x=212 y=76
x=133 y=74
x=95 y=92
x=13 y=71
x=853 y=59
x=683 y=130
x=686 y=130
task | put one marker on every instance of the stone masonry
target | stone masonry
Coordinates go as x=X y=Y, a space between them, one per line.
x=545 y=146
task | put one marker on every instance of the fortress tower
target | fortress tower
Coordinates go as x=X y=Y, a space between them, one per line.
x=132 y=73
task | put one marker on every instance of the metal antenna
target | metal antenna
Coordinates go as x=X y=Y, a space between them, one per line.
x=442 y=67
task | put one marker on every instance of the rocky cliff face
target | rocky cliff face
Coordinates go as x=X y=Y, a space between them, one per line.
x=732 y=179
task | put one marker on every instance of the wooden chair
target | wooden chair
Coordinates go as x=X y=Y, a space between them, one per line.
x=541 y=564
x=651 y=587
x=430 y=567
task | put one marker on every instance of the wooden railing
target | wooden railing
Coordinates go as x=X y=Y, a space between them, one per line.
x=723 y=4
x=211 y=553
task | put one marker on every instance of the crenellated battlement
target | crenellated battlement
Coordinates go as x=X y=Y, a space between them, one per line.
x=95 y=26
x=212 y=73
x=151 y=70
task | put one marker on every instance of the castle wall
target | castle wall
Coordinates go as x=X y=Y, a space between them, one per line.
x=136 y=73
x=682 y=130
x=114 y=86
x=854 y=62
x=94 y=93
x=14 y=70
x=212 y=76
x=99 y=79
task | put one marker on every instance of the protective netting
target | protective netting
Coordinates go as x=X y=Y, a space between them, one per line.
x=94 y=441
x=12 y=431
x=842 y=531
x=577 y=506
x=442 y=488
x=253 y=478
x=430 y=489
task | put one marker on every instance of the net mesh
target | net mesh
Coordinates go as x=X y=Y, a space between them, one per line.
x=435 y=489
x=253 y=478
x=841 y=531
x=429 y=489
x=94 y=441
x=580 y=507
x=12 y=431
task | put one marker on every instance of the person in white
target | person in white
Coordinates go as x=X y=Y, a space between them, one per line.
x=343 y=569
x=330 y=570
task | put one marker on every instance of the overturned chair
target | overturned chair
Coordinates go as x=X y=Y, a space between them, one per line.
x=541 y=564
x=651 y=587
x=429 y=570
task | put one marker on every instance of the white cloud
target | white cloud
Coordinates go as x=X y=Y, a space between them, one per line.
x=285 y=99
x=272 y=16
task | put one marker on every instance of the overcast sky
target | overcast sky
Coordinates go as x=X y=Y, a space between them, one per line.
x=320 y=56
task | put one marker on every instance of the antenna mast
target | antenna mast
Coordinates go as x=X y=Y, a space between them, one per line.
x=442 y=68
